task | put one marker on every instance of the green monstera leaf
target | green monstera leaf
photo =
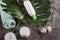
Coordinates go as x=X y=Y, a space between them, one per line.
x=42 y=8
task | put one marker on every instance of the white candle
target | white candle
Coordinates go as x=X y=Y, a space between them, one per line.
x=24 y=32
x=30 y=9
x=10 y=36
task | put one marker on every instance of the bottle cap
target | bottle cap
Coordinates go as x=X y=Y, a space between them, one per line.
x=34 y=17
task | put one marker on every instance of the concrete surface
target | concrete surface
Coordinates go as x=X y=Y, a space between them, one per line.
x=35 y=35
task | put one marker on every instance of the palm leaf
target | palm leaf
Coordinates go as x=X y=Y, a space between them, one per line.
x=14 y=9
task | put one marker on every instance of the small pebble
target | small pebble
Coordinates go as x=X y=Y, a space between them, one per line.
x=43 y=30
x=49 y=29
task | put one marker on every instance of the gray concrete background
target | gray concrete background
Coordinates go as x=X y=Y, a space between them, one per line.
x=35 y=35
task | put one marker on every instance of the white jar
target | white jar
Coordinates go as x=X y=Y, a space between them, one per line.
x=10 y=36
x=24 y=32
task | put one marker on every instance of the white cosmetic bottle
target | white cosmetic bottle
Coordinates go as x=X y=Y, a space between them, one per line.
x=30 y=9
